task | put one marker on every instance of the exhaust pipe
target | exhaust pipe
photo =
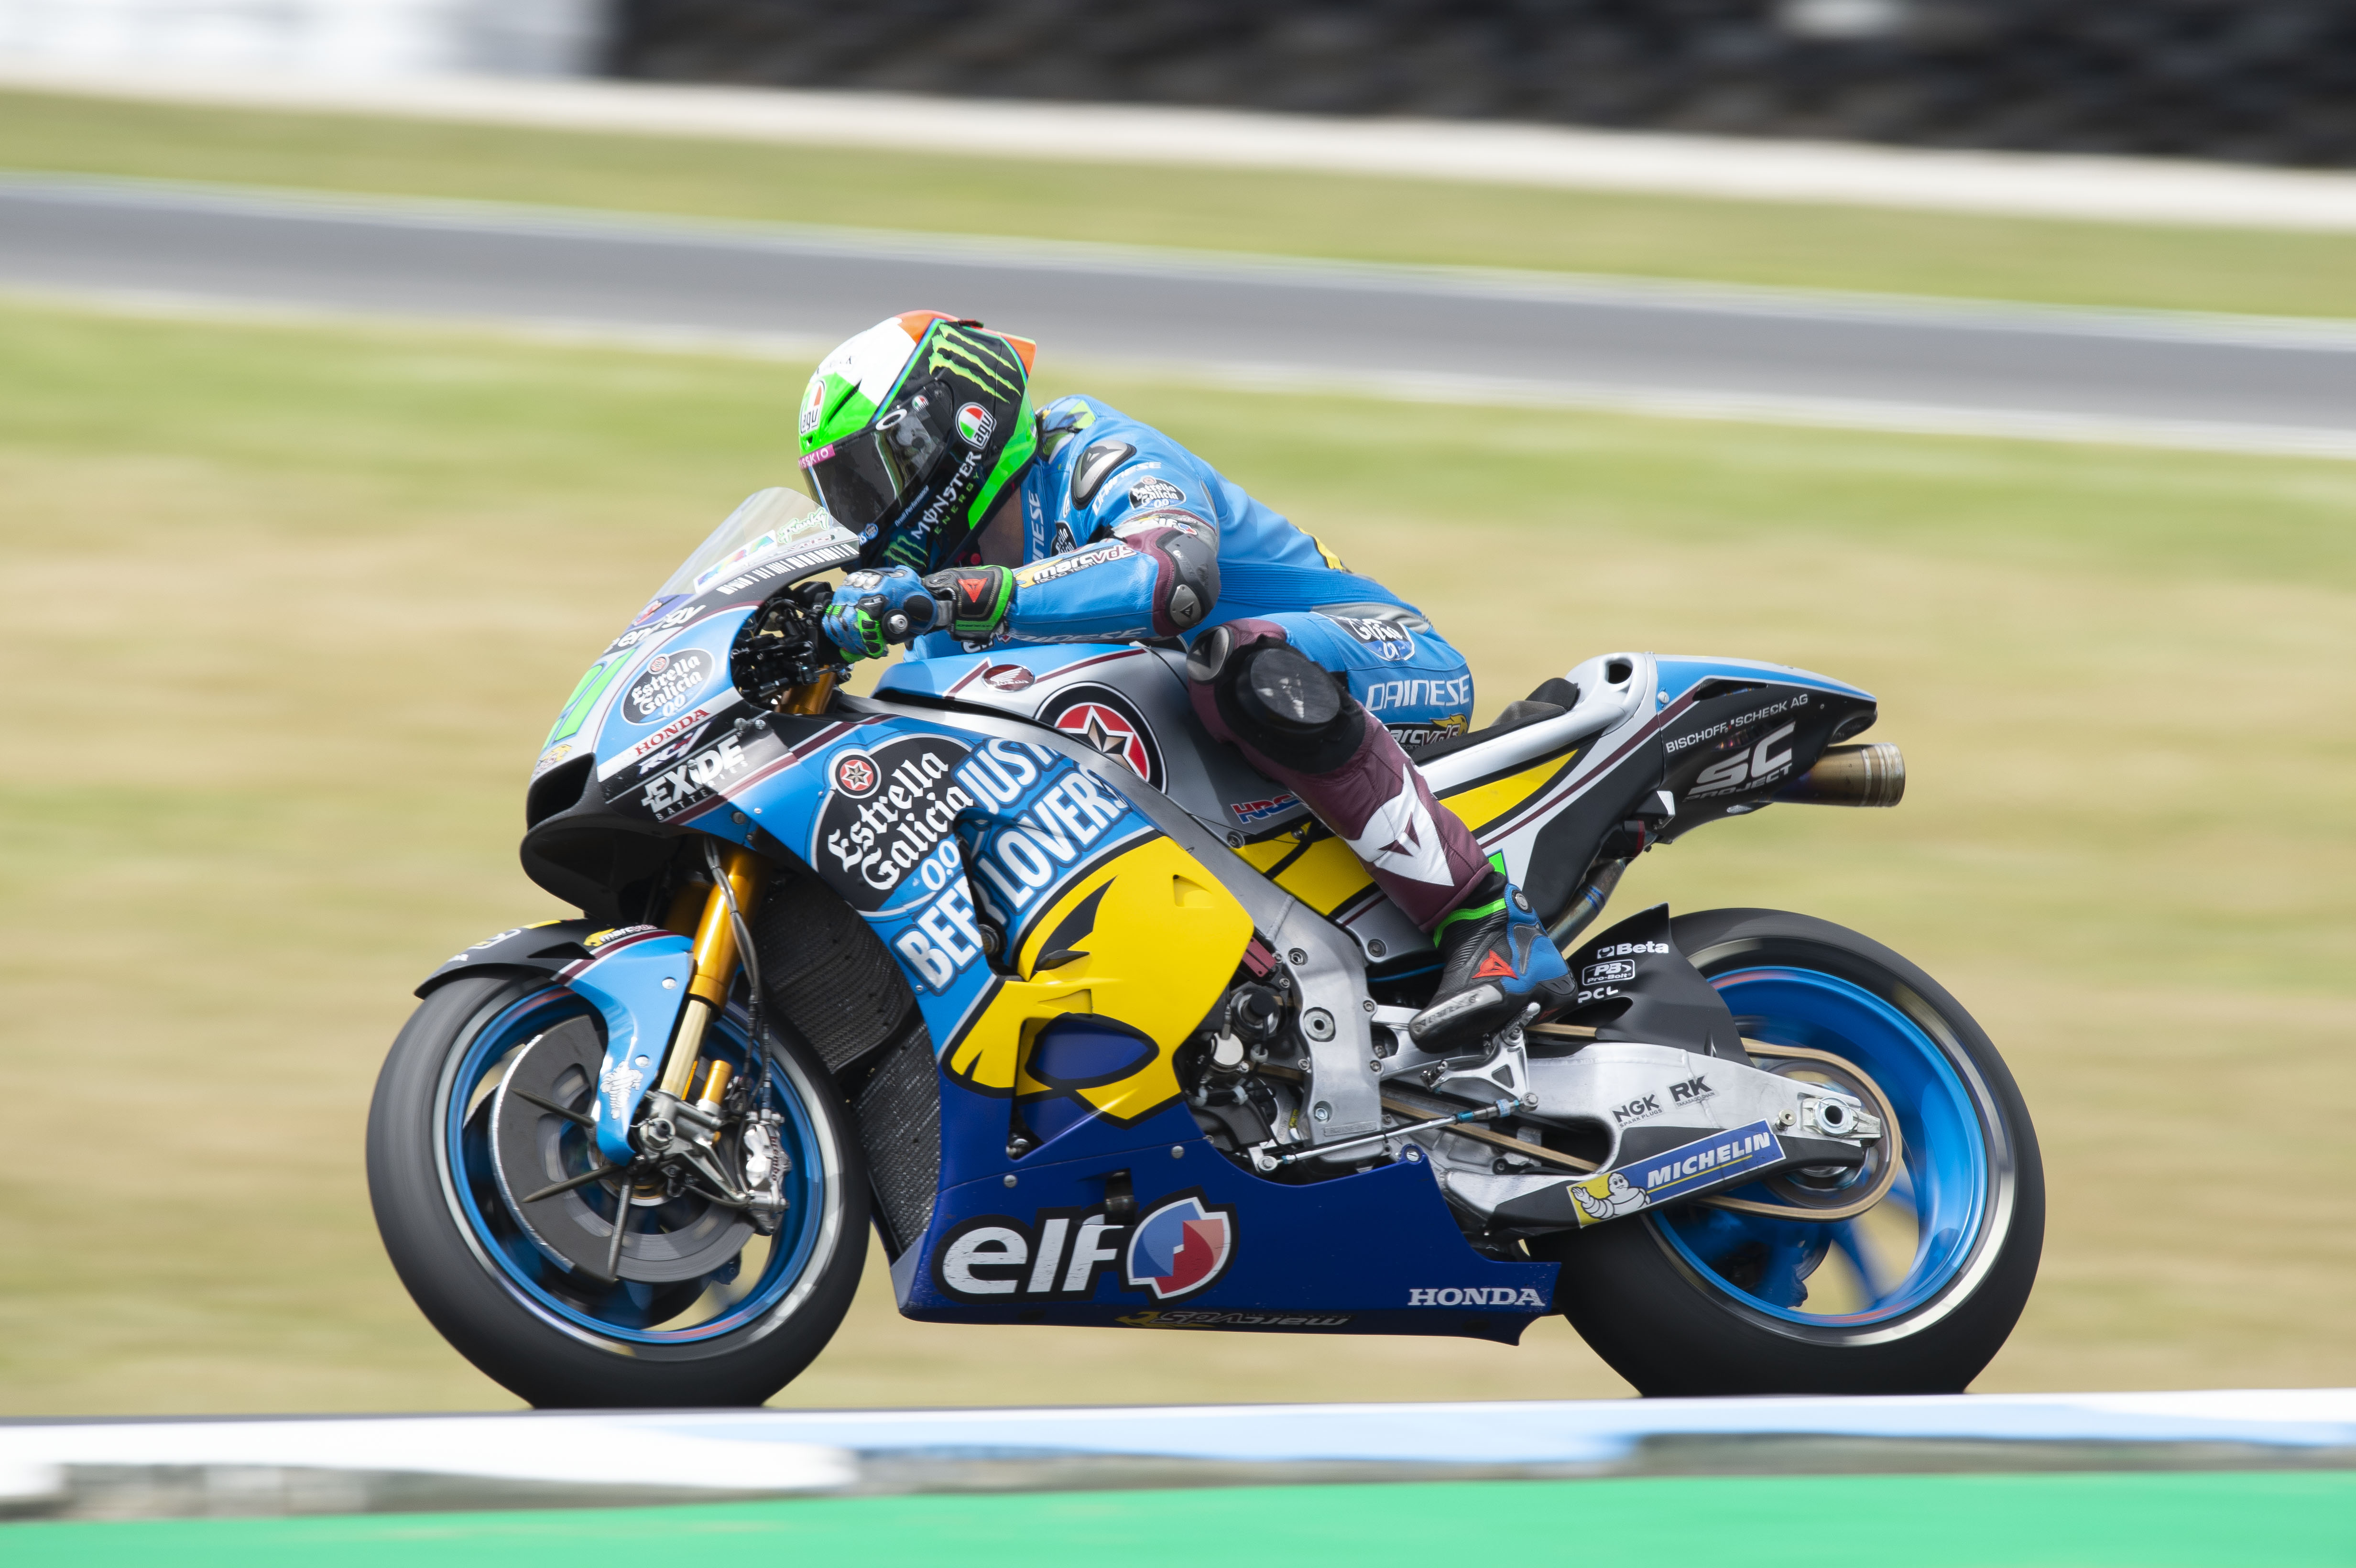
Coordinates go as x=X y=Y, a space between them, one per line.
x=1870 y=774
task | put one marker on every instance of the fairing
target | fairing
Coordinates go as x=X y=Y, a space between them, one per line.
x=1066 y=795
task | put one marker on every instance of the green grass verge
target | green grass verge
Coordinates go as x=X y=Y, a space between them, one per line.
x=2262 y=1520
x=290 y=610
x=1295 y=214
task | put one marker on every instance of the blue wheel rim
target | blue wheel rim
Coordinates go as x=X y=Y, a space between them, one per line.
x=1942 y=1188
x=530 y=1275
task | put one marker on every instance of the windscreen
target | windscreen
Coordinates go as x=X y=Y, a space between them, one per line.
x=770 y=521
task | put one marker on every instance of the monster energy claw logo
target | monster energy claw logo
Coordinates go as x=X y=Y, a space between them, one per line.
x=980 y=357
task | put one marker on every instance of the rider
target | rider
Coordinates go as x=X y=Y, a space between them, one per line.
x=1078 y=524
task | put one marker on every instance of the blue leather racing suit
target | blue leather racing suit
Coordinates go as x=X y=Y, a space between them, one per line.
x=1100 y=472
x=1128 y=536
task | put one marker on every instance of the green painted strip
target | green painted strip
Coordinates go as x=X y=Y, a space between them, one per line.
x=2252 y=1519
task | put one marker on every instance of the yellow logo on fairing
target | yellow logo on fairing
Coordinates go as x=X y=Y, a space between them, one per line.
x=1606 y=1195
x=1149 y=940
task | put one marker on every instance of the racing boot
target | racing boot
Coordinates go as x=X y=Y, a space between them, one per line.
x=1496 y=959
x=1297 y=722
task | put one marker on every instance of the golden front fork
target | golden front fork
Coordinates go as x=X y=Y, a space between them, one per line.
x=810 y=697
x=715 y=963
x=715 y=932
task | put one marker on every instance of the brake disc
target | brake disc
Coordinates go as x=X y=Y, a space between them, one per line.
x=669 y=1239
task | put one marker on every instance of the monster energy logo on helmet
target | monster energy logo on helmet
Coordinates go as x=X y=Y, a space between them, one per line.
x=912 y=430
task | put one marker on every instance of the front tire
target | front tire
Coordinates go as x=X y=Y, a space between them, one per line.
x=555 y=1336
x=1916 y=1295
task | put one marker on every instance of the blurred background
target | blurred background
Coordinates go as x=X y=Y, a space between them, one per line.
x=2260 y=80
x=306 y=537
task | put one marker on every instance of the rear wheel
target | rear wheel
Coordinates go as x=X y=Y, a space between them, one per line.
x=1914 y=1296
x=707 y=1310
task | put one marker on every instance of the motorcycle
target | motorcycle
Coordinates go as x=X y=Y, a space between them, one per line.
x=1097 y=1026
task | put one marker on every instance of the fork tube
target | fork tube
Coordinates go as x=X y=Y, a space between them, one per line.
x=715 y=965
x=810 y=697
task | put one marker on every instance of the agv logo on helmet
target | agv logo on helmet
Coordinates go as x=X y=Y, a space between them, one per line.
x=912 y=431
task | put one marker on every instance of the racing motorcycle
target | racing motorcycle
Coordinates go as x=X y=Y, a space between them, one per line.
x=1097 y=1026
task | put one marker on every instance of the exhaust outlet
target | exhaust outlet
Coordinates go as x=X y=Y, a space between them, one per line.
x=1870 y=774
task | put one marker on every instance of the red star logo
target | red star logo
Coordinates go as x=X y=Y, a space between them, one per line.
x=1108 y=733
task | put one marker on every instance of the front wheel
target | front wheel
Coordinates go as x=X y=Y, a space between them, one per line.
x=703 y=1308
x=1914 y=1296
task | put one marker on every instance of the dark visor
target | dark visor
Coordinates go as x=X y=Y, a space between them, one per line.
x=864 y=478
x=852 y=480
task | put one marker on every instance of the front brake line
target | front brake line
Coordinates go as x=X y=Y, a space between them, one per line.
x=752 y=960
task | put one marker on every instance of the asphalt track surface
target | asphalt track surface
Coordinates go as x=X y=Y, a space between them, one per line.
x=2148 y=378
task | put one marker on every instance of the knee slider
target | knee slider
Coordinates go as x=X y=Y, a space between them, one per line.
x=1206 y=660
x=1279 y=688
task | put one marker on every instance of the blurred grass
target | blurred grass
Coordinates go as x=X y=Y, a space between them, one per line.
x=291 y=608
x=1310 y=214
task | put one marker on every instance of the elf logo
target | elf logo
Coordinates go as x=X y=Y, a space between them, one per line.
x=1181 y=1246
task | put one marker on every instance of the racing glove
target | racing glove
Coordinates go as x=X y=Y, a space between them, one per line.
x=973 y=601
x=873 y=610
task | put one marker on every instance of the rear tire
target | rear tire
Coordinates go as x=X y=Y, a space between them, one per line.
x=534 y=1329
x=1700 y=1301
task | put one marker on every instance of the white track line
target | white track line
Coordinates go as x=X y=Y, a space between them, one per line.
x=1664 y=402
x=2074 y=188
x=814 y=1450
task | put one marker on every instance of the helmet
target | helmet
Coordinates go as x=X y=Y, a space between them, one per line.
x=913 y=430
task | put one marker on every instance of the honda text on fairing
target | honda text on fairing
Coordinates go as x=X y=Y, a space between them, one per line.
x=1095 y=1025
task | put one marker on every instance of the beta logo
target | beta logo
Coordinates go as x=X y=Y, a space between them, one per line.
x=1624 y=949
x=1104 y=719
x=974 y=424
x=1179 y=1248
